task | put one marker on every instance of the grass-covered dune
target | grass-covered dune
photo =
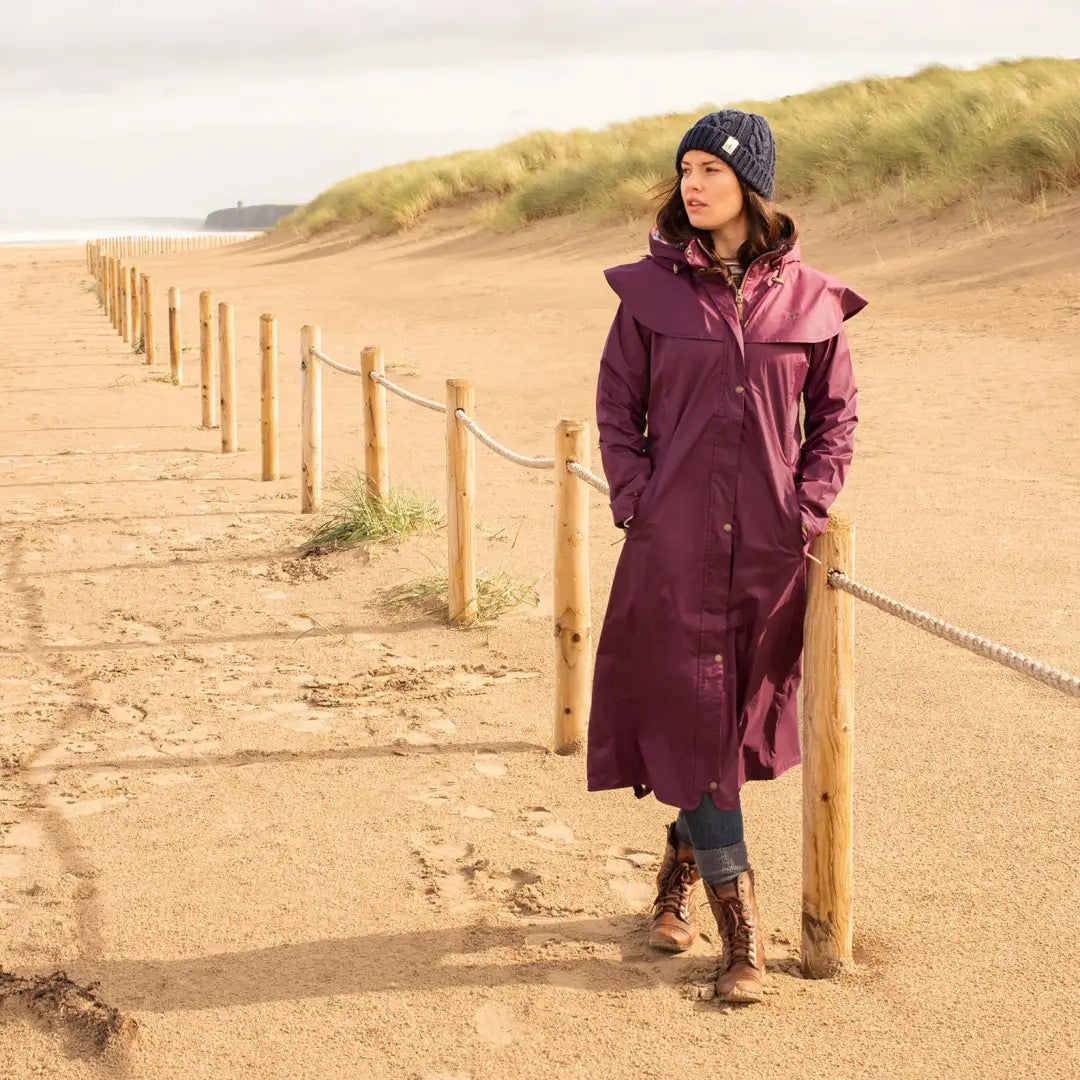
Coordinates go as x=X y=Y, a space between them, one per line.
x=920 y=144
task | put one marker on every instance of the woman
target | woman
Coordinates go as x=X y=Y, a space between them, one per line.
x=719 y=333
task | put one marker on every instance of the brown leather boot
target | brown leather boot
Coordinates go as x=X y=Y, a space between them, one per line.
x=742 y=968
x=674 y=925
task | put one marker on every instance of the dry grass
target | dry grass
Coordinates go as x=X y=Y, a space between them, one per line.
x=496 y=594
x=357 y=518
x=908 y=145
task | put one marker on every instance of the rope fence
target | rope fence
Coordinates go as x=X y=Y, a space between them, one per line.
x=503 y=451
x=828 y=656
x=590 y=478
x=991 y=650
x=416 y=399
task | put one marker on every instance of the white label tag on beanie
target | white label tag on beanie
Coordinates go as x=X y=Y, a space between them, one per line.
x=731 y=144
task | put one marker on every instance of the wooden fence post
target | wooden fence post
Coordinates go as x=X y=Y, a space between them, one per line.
x=461 y=503
x=176 y=358
x=117 y=268
x=376 y=443
x=573 y=605
x=268 y=349
x=828 y=758
x=310 y=421
x=227 y=360
x=110 y=273
x=148 y=317
x=136 y=306
x=207 y=364
x=125 y=308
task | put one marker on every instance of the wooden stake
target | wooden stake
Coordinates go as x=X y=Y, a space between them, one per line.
x=148 y=317
x=573 y=605
x=376 y=443
x=461 y=502
x=828 y=758
x=227 y=359
x=117 y=267
x=136 y=305
x=207 y=362
x=310 y=421
x=110 y=290
x=176 y=358
x=268 y=348
x=125 y=307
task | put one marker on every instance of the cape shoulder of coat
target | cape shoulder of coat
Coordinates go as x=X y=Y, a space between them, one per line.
x=665 y=295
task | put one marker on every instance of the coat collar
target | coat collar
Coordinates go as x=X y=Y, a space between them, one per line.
x=692 y=257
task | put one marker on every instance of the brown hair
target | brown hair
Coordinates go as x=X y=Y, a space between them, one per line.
x=770 y=228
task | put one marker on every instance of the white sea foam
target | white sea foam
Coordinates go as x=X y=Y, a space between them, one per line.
x=57 y=232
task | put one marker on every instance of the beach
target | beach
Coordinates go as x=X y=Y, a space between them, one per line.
x=293 y=833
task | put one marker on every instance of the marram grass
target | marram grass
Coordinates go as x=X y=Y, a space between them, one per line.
x=357 y=518
x=918 y=144
x=496 y=594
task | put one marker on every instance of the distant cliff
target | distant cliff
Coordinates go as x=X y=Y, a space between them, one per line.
x=247 y=217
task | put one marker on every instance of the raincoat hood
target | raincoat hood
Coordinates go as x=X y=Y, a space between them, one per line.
x=692 y=255
x=669 y=292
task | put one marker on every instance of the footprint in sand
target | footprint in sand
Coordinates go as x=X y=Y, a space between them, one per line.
x=477 y=813
x=637 y=894
x=11 y=864
x=448 y=879
x=433 y=796
x=84 y=807
x=496 y=1025
x=641 y=860
x=625 y=866
x=102 y=778
x=473 y=681
x=418 y=742
x=127 y=714
x=83 y=747
x=40 y=771
x=25 y=835
x=549 y=827
x=490 y=765
x=168 y=779
x=298 y=716
x=441 y=725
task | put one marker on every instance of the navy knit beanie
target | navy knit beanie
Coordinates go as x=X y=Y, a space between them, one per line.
x=743 y=140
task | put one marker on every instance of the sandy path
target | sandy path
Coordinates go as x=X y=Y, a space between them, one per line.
x=349 y=854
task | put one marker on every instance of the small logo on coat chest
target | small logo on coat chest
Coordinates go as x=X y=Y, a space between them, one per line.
x=793 y=317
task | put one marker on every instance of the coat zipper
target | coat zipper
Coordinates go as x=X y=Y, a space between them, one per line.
x=739 y=288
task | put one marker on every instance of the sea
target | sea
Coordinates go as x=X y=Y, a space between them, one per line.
x=61 y=232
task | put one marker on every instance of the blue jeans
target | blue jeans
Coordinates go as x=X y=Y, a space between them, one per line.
x=706 y=827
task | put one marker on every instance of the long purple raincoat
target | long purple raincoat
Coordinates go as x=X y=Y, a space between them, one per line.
x=699 y=659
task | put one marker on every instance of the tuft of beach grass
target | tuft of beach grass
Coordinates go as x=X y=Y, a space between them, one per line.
x=496 y=594
x=358 y=517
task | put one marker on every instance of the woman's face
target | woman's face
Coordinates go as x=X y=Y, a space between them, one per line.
x=710 y=190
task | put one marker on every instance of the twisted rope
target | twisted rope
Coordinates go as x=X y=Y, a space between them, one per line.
x=590 y=478
x=335 y=365
x=416 y=399
x=488 y=441
x=1059 y=680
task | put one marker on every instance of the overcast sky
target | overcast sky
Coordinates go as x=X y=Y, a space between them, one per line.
x=123 y=108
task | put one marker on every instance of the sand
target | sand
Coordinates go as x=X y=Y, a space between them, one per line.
x=293 y=835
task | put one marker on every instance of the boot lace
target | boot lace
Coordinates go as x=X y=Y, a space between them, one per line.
x=739 y=931
x=674 y=896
